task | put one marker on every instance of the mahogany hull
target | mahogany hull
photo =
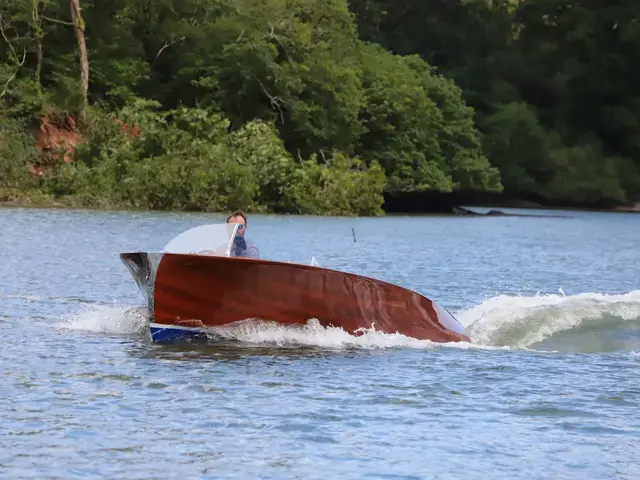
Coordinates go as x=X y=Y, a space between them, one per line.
x=196 y=291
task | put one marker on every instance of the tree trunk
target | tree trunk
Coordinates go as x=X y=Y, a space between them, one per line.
x=39 y=69
x=78 y=26
x=36 y=23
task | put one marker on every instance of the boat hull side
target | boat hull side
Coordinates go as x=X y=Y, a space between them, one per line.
x=205 y=291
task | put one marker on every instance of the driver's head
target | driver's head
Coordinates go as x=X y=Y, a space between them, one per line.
x=238 y=217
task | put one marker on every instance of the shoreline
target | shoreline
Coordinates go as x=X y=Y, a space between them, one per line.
x=632 y=208
x=435 y=202
x=635 y=208
x=463 y=209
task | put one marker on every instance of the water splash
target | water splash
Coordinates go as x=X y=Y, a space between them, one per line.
x=110 y=319
x=314 y=334
x=581 y=323
x=605 y=322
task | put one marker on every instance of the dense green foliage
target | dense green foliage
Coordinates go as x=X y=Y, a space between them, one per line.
x=555 y=85
x=313 y=106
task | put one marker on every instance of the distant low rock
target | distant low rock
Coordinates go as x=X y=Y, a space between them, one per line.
x=466 y=212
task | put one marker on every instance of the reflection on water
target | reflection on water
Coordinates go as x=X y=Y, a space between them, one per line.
x=229 y=350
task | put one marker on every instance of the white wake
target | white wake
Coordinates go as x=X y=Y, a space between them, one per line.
x=504 y=321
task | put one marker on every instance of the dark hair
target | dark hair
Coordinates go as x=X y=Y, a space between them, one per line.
x=238 y=213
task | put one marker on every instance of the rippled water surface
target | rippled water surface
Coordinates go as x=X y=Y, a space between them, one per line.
x=550 y=387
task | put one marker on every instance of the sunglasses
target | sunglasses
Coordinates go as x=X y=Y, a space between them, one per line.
x=240 y=226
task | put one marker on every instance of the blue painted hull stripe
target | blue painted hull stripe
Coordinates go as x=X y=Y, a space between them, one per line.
x=169 y=334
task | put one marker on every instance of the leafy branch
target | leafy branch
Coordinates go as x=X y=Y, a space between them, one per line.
x=14 y=55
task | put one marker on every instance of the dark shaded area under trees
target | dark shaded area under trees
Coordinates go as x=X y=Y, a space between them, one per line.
x=319 y=107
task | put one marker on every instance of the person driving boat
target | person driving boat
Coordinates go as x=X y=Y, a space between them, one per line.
x=241 y=247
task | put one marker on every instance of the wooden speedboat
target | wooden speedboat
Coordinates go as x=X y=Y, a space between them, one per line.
x=195 y=285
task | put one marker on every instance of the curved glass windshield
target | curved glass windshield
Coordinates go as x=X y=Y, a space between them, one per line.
x=448 y=320
x=214 y=239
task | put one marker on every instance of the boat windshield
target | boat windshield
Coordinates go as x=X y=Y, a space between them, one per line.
x=214 y=239
x=448 y=320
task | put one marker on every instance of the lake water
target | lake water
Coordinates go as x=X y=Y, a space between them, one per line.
x=549 y=389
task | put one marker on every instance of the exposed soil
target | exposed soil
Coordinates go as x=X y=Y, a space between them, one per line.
x=57 y=140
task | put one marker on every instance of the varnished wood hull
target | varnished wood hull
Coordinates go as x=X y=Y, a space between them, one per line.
x=193 y=292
